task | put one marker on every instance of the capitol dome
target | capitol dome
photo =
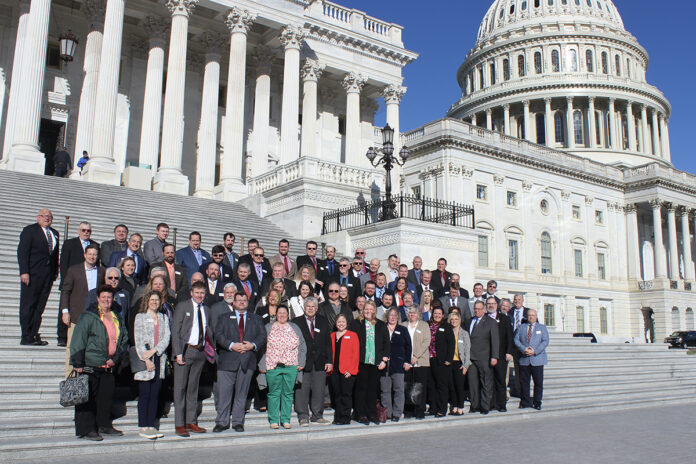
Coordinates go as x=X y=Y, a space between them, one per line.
x=566 y=74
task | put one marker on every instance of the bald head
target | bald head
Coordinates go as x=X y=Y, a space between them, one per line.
x=44 y=217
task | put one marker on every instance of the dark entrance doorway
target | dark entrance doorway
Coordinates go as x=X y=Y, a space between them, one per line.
x=648 y=324
x=49 y=135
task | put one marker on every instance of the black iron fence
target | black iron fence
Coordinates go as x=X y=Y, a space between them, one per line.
x=406 y=206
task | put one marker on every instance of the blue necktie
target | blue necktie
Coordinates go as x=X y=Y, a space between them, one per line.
x=331 y=267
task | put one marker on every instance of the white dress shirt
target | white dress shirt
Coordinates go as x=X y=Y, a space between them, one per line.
x=193 y=338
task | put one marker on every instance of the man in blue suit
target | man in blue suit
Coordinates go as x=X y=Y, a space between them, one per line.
x=531 y=339
x=133 y=251
x=192 y=256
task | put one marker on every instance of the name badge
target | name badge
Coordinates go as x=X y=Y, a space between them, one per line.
x=317 y=330
x=397 y=332
x=122 y=295
x=177 y=272
x=265 y=316
x=349 y=285
x=233 y=317
x=538 y=332
x=322 y=268
x=418 y=331
x=188 y=314
x=221 y=294
x=440 y=330
x=347 y=337
x=461 y=341
x=264 y=271
x=227 y=275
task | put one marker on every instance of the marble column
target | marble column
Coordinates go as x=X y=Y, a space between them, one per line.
x=656 y=148
x=673 y=247
x=24 y=154
x=152 y=101
x=570 y=126
x=591 y=124
x=169 y=177
x=474 y=120
x=527 y=125
x=611 y=125
x=659 y=246
x=633 y=242
x=549 y=123
x=664 y=137
x=95 y=11
x=291 y=38
x=686 y=244
x=15 y=80
x=489 y=119
x=631 y=127
x=259 y=146
x=506 y=119
x=311 y=72
x=392 y=95
x=208 y=129
x=644 y=129
x=231 y=186
x=353 y=84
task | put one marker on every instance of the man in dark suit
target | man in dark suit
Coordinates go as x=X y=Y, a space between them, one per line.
x=518 y=316
x=491 y=288
x=426 y=281
x=119 y=243
x=333 y=306
x=72 y=252
x=245 y=283
x=217 y=256
x=192 y=256
x=317 y=334
x=239 y=337
x=178 y=280
x=328 y=268
x=310 y=258
x=248 y=258
x=370 y=293
x=278 y=272
x=37 y=256
x=214 y=285
x=504 y=356
x=346 y=277
x=414 y=274
x=260 y=268
x=190 y=333
x=485 y=346
x=454 y=300
x=441 y=278
x=133 y=251
x=152 y=250
x=231 y=257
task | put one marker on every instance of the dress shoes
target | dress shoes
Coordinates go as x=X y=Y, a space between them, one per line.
x=39 y=342
x=538 y=407
x=110 y=431
x=304 y=422
x=364 y=421
x=238 y=428
x=524 y=406
x=503 y=409
x=395 y=419
x=484 y=412
x=321 y=421
x=221 y=428
x=93 y=436
x=195 y=428
x=62 y=343
x=27 y=342
x=182 y=432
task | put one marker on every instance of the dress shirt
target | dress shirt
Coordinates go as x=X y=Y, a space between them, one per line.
x=473 y=322
x=52 y=240
x=259 y=271
x=344 y=280
x=193 y=338
x=212 y=285
x=517 y=318
x=131 y=254
x=310 y=323
x=379 y=292
x=242 y=316
x=394 y=273
x=197 y=254
x=84 y=244
x=91 y=275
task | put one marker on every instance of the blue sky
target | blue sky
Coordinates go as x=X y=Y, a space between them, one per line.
x=443 y=31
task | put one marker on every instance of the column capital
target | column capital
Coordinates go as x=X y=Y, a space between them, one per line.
x=569 y=101
x=157 y=29
x=94 y=10
x=311 y=70
x=630 y=208
x=506 y=107
x=565 y=194
x=489 y=111
x=547 y=100
x=670 y=207
x=591 y=100
x=140 y=48
x=292 y=37
x=683 y=210
x=212 y=42
x=262 y=59
x=589 y=201
x=353 y=82
x=181 y=7
x=656 y=203
x=612 y=100
x=239 y=20
x=525 y=103
x=393 y=93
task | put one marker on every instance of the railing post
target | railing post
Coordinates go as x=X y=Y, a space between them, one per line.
x=454 y=214
x=423 y=209
x=366 y=213
x=401 y=206
x=473 y=218
x=67 y=228
x=323 y=224
x=174 y=241
x=338 y=222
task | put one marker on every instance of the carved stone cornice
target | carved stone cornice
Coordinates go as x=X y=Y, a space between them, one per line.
x=212 y=42
x=239 y=20
x=589 y=200
x=262 y=59
x=393 y=94
x=467 y=173
x=565 y=195
x=630 y=208
x=527 y=186
x=94 y=10
x=498 y=179
x=156 y=27
x=353 y=82
x=311 y=70
x=292 y=37
x=181 y=7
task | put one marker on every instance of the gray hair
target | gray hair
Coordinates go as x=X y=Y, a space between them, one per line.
x=311 y=299
x=505 y=300
x=228 y=285
x=344 y=260
x=479 y=302
x=157 y=269
x=244 y=266
x=112 y=269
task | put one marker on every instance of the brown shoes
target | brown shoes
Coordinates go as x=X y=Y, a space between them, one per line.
x=182 y=432
x=195 y=428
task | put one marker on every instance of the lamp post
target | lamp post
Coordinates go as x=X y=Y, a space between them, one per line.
x=388 y=159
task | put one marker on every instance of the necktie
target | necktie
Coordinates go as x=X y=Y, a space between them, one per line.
x=241 y=328
x=314 y=263
x=287 y=265
x=476 y=321
x=517 y=318
x=49 y=237
x=201 y=329
x=344 y=280
x=311 y=326
x=331 y=267
x=452 y=302
x=197 y=254
x=529 y=333
x=246 y=288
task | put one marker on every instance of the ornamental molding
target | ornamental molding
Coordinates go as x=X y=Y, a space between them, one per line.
x=157 y=28
x=353 y=82
x=94 y=10
x=292 y=37
x=213 y=42
x=498 y=179
x=393 y=94
x=239 y=20
x=311 y=70
x=656 y=203
x=565 y=195
x=589 y=200
x=181 y=7
x=412 y=238
x=527 y=186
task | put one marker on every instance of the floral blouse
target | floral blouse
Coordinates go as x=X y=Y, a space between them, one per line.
x=281 y=346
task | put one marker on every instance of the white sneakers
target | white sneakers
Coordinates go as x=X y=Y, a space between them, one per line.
x=150 y=433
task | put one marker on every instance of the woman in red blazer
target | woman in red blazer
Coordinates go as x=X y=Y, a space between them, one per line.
x=346 y=354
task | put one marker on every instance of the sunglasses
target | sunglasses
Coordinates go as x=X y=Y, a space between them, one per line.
x=85 y=230
x=357 y=264
x=112 y=278
x=310 y=249
x=258 y=256
x=342 y=265
x=333 y=291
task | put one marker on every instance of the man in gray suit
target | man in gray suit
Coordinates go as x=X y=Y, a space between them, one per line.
x=190 y=327
x=119 y=243
x=478 y=296
x=531 y=339
x=239 y=336
x=485 y=345
x=153 y=248
x=454 y=300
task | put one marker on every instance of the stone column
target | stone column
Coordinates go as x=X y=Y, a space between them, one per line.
x=353 y=84
x=24 y=154
x=570 y=130
x=506 y=117
x=169 y=177
x=291 y=38
x=664 y=137
x=311 y=72
x=152 y=101
x=673 y=247
x=644 y=129
x=95 y=11
x=591 y=124
x=656 y=148
x=549 y=122
x=489 y=119
x=631 y=127
x=660 y=256
x=474 y=120
x=633 y=242
x=612 y=127
x=259 y=144
x=686 y=244
x=392 y=95
x=527 y=125
x=207 y=130
x=13 y=100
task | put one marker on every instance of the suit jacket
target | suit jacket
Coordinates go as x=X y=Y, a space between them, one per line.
x=539 y=341
x=232 y=264
x=279 y=259
x=221 y=307
x=327 y=311
x=254 y=292
x=141 y=267
x=409 y=286
x=323 y=273
x=461 y=303
x=182 y=323
x=304 y=259
x=507 y=346
x=33 y=255
x=72 y=253
x=152 y=251
x=216 y=296
x=497 y=300
x=186 y=258
x=471 y=302
x=226 y=273
x=420 y=290
x=464 y=347
x=74 y=290
x=109 y=247
x=485 y=339
x=382 y=342
x=354 y=289
x=412 y=277
x=436 y=283
x=319 y=349
x=227 y=333
x=444 y=343
x=364 y=278
x=399 y=351
x=523 y=319
x=181 y=282
x=350 y=350
x=420 y=342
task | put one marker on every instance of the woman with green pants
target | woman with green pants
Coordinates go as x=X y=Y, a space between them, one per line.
x=282 y=366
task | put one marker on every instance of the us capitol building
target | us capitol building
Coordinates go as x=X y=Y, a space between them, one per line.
x=557 y=140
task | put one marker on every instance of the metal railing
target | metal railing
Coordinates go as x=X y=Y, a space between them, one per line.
x=407 y=206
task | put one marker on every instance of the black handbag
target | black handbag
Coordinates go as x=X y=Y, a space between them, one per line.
x=136 y=364
x=74 y=389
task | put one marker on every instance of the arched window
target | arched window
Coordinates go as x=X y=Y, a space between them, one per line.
x=540 y=129
x=555 y=61
x=537 y=3
x=524 y=5
x=537 y=63
x=521 y=66
x=617 y=60
x=506 y=69
x=572 y=60
x=546 y=254
x=471 y=82
x=605 y=63
x=589 y=3
x=689 y=319
x=559 y=122
x=577 y=123
x=589 y=61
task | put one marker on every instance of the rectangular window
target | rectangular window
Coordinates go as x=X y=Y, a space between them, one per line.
x=576 y=212
x=549 y=316
x=599 y=216
x=580 y=311
x=578 y=263
x=53 y=56
x=603 y=322
x=513 y=250
x=416 y=191
x=481 y=192
x=512 y=198
x=482 y=81
x=483 y=251
x=601 y=266
x=492 y=73
x=506 y=69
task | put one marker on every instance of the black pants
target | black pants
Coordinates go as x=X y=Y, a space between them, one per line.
x=60 y=170
x=527 y=373
x=32 y=302
x=458 y=393
x=480 y=377
x=515 y=379
x=440 y=375
x=418 y=376
x=96 y=412
x=342 y=396
x=366 y=392
x=500 y=386
x=148 y=397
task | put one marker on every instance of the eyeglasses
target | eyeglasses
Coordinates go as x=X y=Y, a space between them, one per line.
x=333 y=291
x=86 y=230
x=342 y=265
x=357 y=264
x=218 y=255
x=257 y=256
x=359 y=252
x=112 y=278
x=310 y=249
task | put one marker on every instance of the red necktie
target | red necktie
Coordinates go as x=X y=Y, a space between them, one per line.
x=241 y=328
x=311 y=326
x=246 y=289
x=287 y=265
x=529 y=333
x=314 y=262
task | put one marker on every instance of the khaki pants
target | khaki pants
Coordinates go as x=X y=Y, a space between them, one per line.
x=68 y=366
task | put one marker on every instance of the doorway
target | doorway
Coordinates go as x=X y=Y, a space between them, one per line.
x=49 y=136
x=648 y=324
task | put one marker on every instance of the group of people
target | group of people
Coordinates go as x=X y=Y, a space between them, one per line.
x=305 y=332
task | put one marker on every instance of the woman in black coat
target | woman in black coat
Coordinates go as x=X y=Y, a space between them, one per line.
x=374 y=356
x=441 y=354
x=392 y=380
